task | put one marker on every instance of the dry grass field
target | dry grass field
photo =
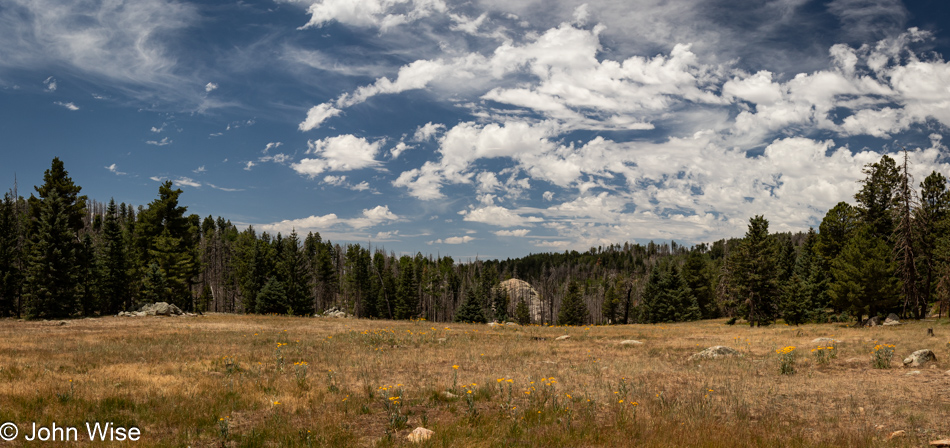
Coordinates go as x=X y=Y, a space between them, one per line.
x=244 y=381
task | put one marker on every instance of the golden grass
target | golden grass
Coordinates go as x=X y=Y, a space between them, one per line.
x=223 y=380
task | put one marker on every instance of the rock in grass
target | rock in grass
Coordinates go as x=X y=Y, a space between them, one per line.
x=561 y=338
x=420 y=434
x=825 y=341
x=449 y=395
x=717 y=351
x=873 y=322
x=494 y=324
x=892 y=319
x=896 y=434
x=919 y=358
x=630 y=342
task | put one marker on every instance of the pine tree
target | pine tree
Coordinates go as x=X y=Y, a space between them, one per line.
x=10 y=257
x=695 y=276
x=52 y=272
x=115 y=277
x=292 y=269
x=522 y=313
x=756 y=273
x=573 y=309
x=471 y=310
x=500 y=303
x=864 y=281
x=407 y=298
x=876 y=197
x=932 y=213
x=272 y=299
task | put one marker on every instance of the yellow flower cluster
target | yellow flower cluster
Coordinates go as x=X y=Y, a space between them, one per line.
x=302 y=364
x=786 y=350
x=880 y=347
x=818 y=349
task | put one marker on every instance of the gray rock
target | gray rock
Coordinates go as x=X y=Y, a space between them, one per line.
x=519 y=290
x=892 y=319
x=825 y=341
x=561 y=338
x=873 y=322
x=717 y=351
x=420 y=435
x=441 y=340
x=494 y=324
x=919 y=358
x=161 y=309
x=631 y=342
x=512 y=324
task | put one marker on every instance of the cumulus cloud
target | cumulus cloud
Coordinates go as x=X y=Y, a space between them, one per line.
x=210 y=86
x=69 y=106
x=384 y=14
x=317 y=115
x=498 y=216
x=368 y=218
x=163 y=142
x=427 y=131
x=272 y=145
x=340 y=153
x=516 y=232
x=454 y=240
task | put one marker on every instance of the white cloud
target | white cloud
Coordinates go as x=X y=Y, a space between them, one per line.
x=112 y=168
x=498 y=216
x=187 y=181
x=210 y=86
x=341 y=153
x=427 y=131
x=362 y=186
x=399 y=149
x=69 y=106
x=317 y=115
x=272 y=145
x=50 y=84
x=199 y=170
x=248 y=165
x=517 y=232
x=454 y=240
x=163 y=142
x=159 y=129
x=371 y=13
x=115 y=43
x=369 y=218
x=276 y=158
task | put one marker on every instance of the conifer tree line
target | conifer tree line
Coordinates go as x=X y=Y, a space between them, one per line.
x=64 y=255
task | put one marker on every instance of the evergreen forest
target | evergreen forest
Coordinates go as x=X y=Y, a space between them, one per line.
x=65 y=255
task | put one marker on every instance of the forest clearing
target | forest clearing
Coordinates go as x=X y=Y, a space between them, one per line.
x=251 y=380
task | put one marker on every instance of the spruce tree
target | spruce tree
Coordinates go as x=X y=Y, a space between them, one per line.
x=115 y=278
x=933 y=211
x=52 y=271
x=876 y=197
x=864 y=280
x=757 y=273
x=471 y=310
x=522 y=313
x=292 y=269
x=573 y=309
x=272 y=299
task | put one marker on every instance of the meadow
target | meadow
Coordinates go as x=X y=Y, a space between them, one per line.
x=258 y=381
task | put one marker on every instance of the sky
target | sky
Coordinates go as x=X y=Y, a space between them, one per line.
x=478 y=128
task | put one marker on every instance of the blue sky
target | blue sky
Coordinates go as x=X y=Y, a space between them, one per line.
x=480 y=128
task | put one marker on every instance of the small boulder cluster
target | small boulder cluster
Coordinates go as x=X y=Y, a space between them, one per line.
x=156 y=309
x=333 y=312
x=891 y=320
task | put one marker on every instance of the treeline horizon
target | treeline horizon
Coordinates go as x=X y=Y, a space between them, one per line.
x=63 y=255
